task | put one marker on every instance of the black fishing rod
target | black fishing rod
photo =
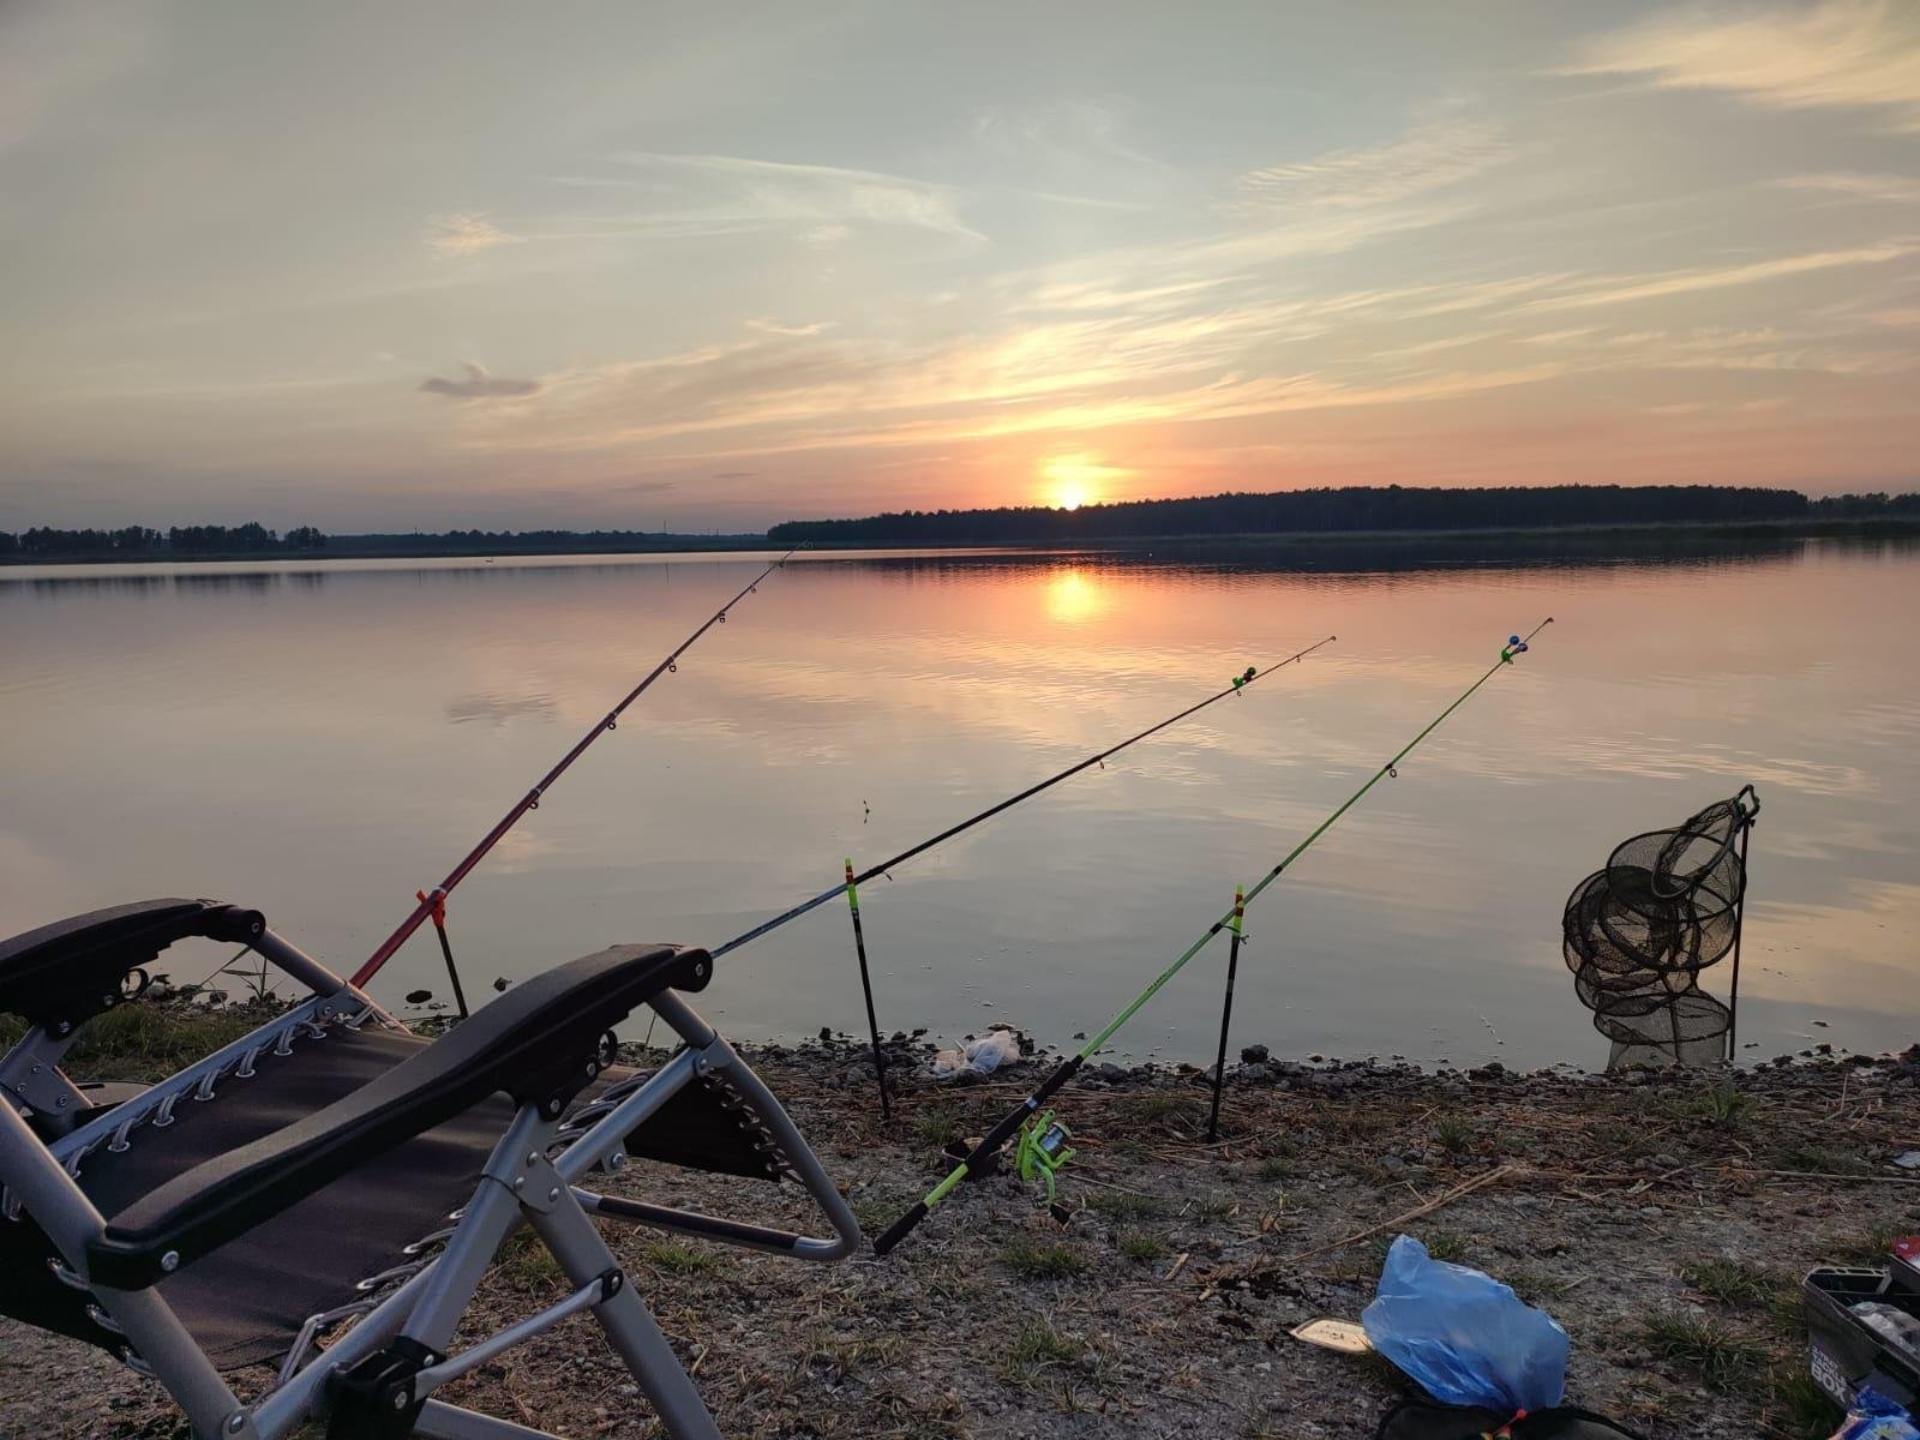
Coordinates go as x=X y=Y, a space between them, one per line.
x=1240 y=682
x=1011 y=1124
x=433 y=902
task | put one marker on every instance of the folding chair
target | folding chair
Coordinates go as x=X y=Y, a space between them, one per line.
x=331 y=1176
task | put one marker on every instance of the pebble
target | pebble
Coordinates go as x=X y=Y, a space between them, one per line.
x=1651 y=1212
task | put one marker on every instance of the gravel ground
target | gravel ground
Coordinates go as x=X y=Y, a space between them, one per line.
x=1663 y=1218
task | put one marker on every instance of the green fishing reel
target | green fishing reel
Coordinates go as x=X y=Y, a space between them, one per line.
x=1042 y=1149
x=1247 y=676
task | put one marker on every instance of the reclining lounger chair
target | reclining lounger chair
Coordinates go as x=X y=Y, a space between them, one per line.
x=331 y=1167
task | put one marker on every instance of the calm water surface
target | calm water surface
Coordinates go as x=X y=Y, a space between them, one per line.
x=320 y=740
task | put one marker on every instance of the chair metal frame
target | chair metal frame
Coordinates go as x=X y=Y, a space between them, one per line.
x=533 y=1177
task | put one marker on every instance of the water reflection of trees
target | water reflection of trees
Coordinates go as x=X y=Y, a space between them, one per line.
x=249 y=581
x=1394 y=554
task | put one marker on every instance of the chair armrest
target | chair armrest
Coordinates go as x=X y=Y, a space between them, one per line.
x=65 y=973
x=538 y=1042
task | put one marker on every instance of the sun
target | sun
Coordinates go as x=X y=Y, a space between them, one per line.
x=1070 y=481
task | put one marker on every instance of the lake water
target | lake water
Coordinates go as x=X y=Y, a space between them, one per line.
x=319 y=740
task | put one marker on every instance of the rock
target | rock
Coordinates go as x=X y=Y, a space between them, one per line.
x=1110 y=1072
x=1908 y=1161
x=1651 y=1212
x=1392 y=1164
x=1665 y=1162
x=1255 y=1074
x=1254 y=1055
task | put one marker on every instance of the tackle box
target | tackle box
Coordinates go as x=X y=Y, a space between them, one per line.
x=1843 y=1352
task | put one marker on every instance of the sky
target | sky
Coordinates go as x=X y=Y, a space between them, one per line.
x=446 y=265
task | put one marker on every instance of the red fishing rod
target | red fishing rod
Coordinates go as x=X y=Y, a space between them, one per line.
x=433 y=902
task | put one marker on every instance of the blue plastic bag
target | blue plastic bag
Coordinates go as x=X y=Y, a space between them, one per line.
x=1465 y=1337
x=1874 y=1417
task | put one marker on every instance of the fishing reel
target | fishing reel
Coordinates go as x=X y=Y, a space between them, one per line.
x=1040 y=1150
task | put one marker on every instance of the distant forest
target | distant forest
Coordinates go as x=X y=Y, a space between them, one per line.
x=138 y=542
x=1356 y=508
x=1362 y=508
x=212 y=542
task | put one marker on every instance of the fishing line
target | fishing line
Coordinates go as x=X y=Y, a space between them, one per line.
x=1240 y=682
x=435 y=899
x=1022 y=1113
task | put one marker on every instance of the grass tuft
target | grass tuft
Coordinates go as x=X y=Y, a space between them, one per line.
x=936 y=1126
x=1454 y=1134
x=1734 y=1282
x=1042 y=1260
x=1718 y=1102
x=1862 y=1247
x=1726 y=1359
x=1038 y=1348
x=526 y=1264
x=670 y=1257
x=1140 y=1246
x=148 y=1040
x=1160 y=1105
x=1797 y=1409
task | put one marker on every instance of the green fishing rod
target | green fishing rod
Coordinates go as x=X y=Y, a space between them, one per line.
x=1027 y=1112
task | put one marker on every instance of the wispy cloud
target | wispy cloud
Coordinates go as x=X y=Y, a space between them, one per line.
x=1066 y=131
x=1622 y=290
x=1891 y=189
x=1856 y=53
x=478 y=385
x=1431 y=157
x=729 y=193
x=766 y=325
x=457 y=235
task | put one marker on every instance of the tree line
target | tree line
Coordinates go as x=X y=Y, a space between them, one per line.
x=141 y=542
x=1353 y=508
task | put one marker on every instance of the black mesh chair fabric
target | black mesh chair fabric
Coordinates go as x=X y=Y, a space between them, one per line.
x=245 y=1302
x=1637 y=934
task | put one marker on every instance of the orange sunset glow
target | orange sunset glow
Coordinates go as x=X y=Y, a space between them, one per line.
x=674 y=279
x=1071 y=481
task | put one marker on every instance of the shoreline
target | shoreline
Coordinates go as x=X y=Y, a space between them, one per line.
x=1664 y=1217
x=341 y=548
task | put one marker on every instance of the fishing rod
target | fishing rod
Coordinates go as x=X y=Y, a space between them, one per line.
x=1028 y=1110
x=1240 y=682
x=433 y=902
